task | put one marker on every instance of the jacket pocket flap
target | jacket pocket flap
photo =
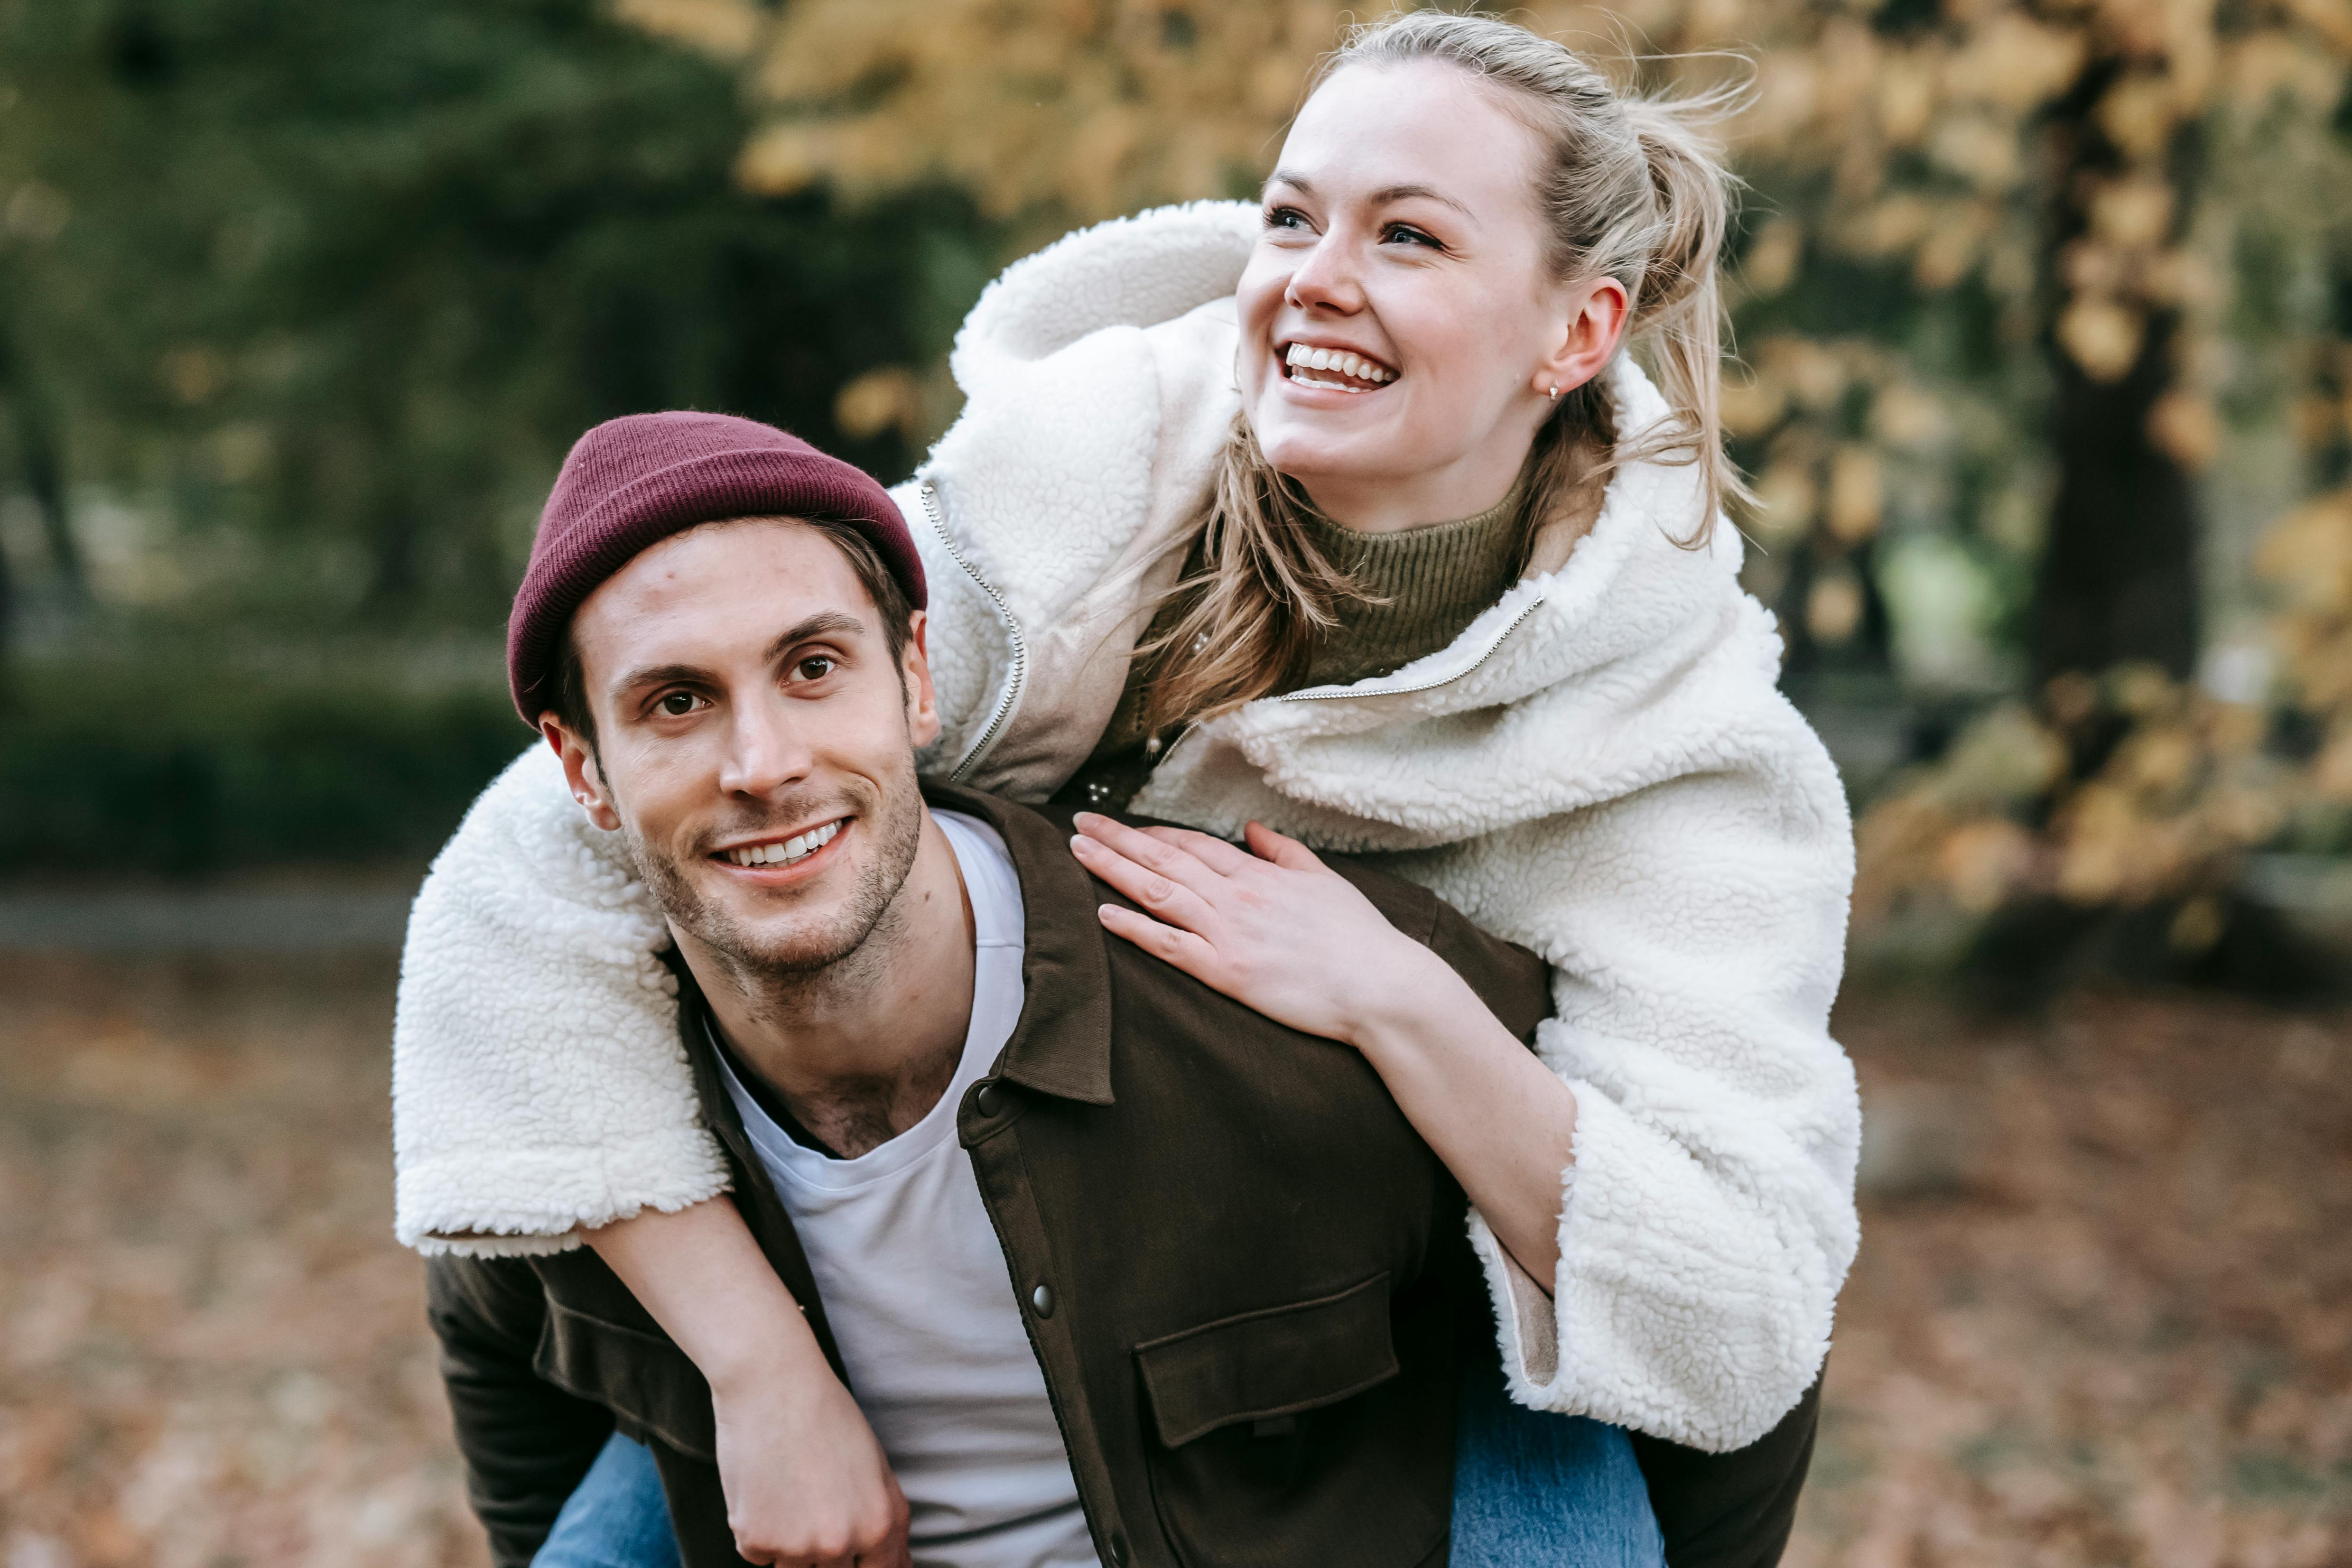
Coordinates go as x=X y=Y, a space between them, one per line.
x=1276 y=1362
x=642 y=1378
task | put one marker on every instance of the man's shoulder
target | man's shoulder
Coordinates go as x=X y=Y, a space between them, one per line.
x=1512 y=980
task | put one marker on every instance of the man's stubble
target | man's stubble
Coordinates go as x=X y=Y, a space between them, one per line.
x=849 y=950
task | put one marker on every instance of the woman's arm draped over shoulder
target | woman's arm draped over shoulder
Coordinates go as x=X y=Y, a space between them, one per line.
x=1681 y=1180
x=539 y=1085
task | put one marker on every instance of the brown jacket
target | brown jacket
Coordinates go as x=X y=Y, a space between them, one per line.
x=1243 y=1275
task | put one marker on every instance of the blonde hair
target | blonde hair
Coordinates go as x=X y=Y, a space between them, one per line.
x=1631 y=188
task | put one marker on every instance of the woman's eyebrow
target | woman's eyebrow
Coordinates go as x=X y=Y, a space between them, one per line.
x=1380 y=198
x=1386 y=193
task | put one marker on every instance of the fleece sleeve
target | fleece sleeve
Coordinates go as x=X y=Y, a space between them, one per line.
x=1697 y=933
x=538 y=1081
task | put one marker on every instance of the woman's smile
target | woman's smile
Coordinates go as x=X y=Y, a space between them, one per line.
x=1333 y=367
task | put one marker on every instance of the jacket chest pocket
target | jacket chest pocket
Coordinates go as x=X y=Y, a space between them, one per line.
x=1291 y=1435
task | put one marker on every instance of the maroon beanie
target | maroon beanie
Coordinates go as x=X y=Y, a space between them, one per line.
x=633 y=482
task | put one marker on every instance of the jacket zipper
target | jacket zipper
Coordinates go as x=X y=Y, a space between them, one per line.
x=1335 y=694
x=1326 y=695
x=1009 y=700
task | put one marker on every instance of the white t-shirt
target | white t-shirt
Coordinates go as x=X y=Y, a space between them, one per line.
x=918 y=1294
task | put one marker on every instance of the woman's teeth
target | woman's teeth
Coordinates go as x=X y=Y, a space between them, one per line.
x=1302 y=359
x=785 y=853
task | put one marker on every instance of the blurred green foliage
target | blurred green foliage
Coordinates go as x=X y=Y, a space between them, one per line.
x=332 y=288
x=170 y=770
x=300 y=306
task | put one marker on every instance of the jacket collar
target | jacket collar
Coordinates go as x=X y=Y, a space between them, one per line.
x=1061 y=1045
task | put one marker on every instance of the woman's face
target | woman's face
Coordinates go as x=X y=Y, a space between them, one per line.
x=1400 y=228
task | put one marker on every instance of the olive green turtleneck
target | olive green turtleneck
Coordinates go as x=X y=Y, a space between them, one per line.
x=1419 y=589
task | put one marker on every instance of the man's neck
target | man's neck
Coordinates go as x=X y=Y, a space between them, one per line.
x=860 y=1051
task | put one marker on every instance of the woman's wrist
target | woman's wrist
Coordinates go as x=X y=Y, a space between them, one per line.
x=772 y=1363
x=1417 y=1004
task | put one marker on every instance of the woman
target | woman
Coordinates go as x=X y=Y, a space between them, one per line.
x=1347 y=517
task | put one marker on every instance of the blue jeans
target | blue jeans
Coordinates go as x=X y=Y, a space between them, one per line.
x=616 y=1518
x=1530 y=1490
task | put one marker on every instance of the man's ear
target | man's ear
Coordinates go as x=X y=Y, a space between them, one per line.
x=580 y=770
x=915 y=676
x=1592 y=328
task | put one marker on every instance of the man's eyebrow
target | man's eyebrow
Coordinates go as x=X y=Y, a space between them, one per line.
x=825 y=623
x=1380 y=197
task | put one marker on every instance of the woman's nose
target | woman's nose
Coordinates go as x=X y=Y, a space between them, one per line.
x=1326 y=280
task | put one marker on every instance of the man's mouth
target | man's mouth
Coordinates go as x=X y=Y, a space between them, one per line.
x=1334 y=369
x=783 y=852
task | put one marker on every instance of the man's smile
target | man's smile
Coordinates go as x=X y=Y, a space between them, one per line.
x=781 y=857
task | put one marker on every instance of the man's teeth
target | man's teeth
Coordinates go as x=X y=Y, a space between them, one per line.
x=796 y=847
x=1302 y=357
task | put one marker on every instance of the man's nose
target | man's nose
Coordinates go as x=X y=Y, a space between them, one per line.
x=765 y=751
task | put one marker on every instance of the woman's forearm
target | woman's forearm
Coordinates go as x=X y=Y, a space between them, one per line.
x=704 y=1279
x=1499 y=1118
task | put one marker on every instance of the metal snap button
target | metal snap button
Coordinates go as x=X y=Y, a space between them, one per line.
x=1042 y=1298
x=1118 y=1550
x=989 y=1101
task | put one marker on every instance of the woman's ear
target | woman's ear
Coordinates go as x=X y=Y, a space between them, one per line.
x=1596 y=310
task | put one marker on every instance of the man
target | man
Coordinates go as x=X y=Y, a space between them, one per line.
x=1117 y=1268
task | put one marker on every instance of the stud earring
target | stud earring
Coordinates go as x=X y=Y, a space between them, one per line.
x=1555 y=391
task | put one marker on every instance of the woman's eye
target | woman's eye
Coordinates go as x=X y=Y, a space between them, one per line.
x=677 y=704
x=815 y=668
x=1412 y=236
x=1285 y=218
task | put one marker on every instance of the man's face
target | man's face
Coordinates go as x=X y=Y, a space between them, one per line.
x=755 y=739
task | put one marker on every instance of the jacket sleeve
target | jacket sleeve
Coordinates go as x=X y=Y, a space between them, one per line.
x=1697 y=933
x=526 y=1443
x=539 y=1085
x=1734 y=1510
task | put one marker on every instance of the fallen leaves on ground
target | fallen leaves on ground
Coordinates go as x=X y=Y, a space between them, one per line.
x=2103 y=1312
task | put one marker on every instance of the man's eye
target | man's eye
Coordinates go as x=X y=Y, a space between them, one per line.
x=677 y=704
x=815 y=668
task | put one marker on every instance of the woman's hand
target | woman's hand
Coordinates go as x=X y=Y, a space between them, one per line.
x=806 y=1481
x=1279 y=931
x=1276 y=929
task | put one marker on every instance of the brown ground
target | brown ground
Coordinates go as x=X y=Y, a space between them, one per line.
x=2109 y=1324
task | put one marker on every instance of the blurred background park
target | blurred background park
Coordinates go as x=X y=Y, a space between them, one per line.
x=2044 y=333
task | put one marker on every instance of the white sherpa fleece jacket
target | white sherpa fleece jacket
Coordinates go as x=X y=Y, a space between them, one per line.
x=1600 y=768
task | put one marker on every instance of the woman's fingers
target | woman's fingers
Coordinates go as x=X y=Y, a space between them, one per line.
x=1214 y=852
x=1283 y=850
x=1173 y=861
x=1169 y=860
x=1164 y=896
x=1182 y=948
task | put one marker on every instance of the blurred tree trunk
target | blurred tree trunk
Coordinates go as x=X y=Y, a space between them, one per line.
x=2118 y=574
x=38 y=455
